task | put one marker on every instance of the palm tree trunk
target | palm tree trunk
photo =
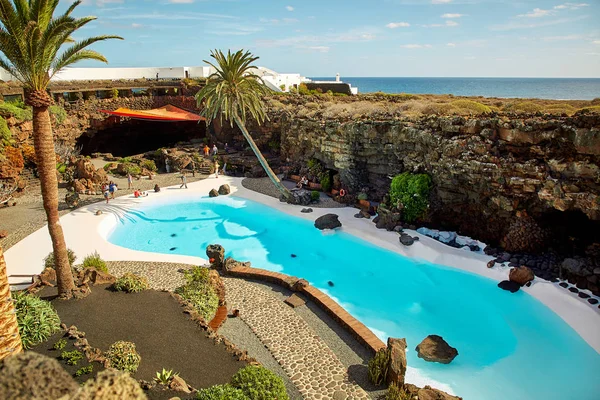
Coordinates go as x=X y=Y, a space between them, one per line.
x=10 y=340
x=261 y=159
x=46 y=163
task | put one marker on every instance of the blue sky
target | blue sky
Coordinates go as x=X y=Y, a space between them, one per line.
x=524 y=38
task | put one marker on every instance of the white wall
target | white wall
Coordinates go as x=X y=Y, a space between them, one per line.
x=76 y=74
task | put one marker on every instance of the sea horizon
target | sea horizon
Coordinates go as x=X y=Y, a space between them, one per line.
x=500 y=87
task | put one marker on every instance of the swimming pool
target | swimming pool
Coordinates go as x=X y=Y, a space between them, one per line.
x=510 y=345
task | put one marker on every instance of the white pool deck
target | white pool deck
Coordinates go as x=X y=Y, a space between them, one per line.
x=86 y=232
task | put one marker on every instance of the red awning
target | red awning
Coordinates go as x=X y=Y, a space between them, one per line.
x=166 y=113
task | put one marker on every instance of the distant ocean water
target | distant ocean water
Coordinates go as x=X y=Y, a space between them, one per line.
x=541 y=88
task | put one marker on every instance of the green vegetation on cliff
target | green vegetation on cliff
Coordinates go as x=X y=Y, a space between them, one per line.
x=410 y=192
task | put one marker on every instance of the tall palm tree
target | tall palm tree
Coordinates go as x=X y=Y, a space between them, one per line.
x=10 y=340
x=233 y=91
x=33 y=42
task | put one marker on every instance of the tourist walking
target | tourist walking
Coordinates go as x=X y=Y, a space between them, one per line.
x=112 y=188
x=215 y=150
x=183 y=180
x=129 y=181
x=167 y=166
x=105 y=191
x=206 y=150
x=216 y=168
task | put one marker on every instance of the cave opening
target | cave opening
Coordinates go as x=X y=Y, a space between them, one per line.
x=571 y=231
x=129 y=137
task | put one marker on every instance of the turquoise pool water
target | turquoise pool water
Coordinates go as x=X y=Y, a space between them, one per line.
x=510 y=345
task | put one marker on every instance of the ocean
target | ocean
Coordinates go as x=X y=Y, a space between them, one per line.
x=541 y=88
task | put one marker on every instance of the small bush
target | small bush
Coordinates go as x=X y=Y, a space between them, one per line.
x=378 y=366
x=36 y=318
x=126 y=160
x=165 y=376
x=150 y=165
x=132 y=169
x=131 y=283
x=410 y=192
x=199 y=292
x=472 y=107
x=560 y=109
x=326 y=182
x=59 y=113
x=61 y=168
x=17 y=110
x=60 y=344
x=258 y=383
x=362 y=196
x=5 y=135
x=114 y=93
x=95 y=261
x=524 y=107
x=84 y=370
x=71 y=357
x=303 y=89
x=109 y=166
x=221 y=392
x=123 y=356
x=397 y=393
x=315 y=196
x=49 y=260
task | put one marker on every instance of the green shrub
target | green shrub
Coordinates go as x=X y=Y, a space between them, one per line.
x=17 y=110
x=126 y=160
x=221 y=392
x=95 y=261
x=114 y=93
x=378 y=366
x=326 y=182
x=397 y=393
x=523 y=107
x=84 y=370
x=61 y=168
x=131 y=283
x=315 y=196
x=71 y=357
x=258 y=383
x=471 y=106
x=362 y=196
x=49 y=260
x=123 y=356
x=560 y=109
x=165 y=376
x=59 y=113
x=303 y=89
x=132 y=169
x=411 y=193
x=60 y=344
x=36 y=318
x=150 y=165
x=199 y=292
x=5 y=135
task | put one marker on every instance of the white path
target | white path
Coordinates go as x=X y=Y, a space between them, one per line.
x=85 y=233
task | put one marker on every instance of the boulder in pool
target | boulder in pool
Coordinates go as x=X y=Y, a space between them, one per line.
x=213 y=193
x=216 y=255
x=512 y=287
x=224 y=189
x=328 y=221
x=435 y=349
x=397 y=363
x=521 y=275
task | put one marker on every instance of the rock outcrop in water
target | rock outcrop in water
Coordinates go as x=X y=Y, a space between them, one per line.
x=328 y=221
x=435 y=349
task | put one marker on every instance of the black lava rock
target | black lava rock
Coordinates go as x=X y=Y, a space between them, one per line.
x=583 y=295
x=330 y=283
x=573 y=290
x=564 y=284
x=328 y=221
x=592 y=301
x=512 y=287
x=293 y=255
x=173 y=249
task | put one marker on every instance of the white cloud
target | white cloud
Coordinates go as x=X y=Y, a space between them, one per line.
x=289 y=8
x=470 y=58
x=134 y=25
x=394 y=25
x=441 y=1
x=529 y=25
x=320 y=49
x=536 y=13
x=571 y=6
x=416 y=46
x=560 y=38
x=305 y=41
x=452 y=15
x=181 y=1
x=451 y=45
x=596 y=42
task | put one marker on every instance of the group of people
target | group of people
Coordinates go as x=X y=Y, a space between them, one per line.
x=108 y=190
x=208 y=152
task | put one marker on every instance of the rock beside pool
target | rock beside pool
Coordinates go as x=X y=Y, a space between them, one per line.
x=231 y=263
x=512 y=287
x=216 y=255
x=397 y=363
x=428 y=393
x=299 y=197
x=435 y=349
x=224 y=189
x=521 y=275
x=328 y=221
x=299 y=285
x=213 y=193
x=306 y=210
x=407 y=240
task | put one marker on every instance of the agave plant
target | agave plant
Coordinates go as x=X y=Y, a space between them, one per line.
x=165 y=377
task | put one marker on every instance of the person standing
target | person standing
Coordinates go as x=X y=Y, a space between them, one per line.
x=215 y=150
x=129 y=181
x=206 y=150
x=216 y=168
x=105 y=191
x=183 y=180
x=167 y=166
x=112 y=188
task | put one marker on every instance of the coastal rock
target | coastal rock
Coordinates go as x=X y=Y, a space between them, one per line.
x=328 y=221
x=435 y=349
x=299 y=197
x=572 y=265
x=231 y=263
x=521 y=275
x=397 y=363
x=428 y=393
x=407 y=240
x=216 y=255
x=224 y=189
x=306 y=210
x=512 y=287
x=213 y=193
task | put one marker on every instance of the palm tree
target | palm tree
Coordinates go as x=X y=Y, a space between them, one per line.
x=10 y=340
x=233 y=91
x=31 y=38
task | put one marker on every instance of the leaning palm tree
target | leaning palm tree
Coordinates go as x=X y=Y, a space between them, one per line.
x=36 y=46
x=10 y=340
x=234 y=91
